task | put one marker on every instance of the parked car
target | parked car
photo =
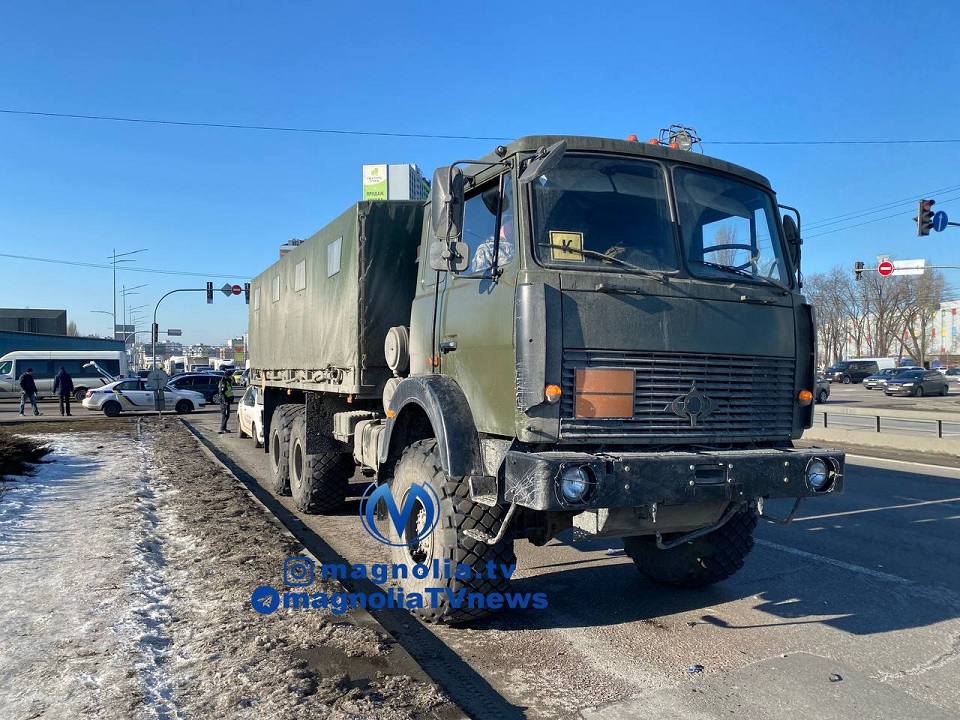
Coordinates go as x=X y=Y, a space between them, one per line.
x=205 y=383
x=878 y=381
x=953 y=374
x=917 y=382
x=132 y=395
x=851 y=371
x=250 y=415
x=240 y=376
x=822 y=390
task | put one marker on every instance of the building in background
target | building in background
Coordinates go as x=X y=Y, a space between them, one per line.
x=394 y=182
x=28 y=320
x=289 y=245
x=12 y=341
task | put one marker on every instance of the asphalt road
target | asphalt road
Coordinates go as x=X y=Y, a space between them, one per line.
x=861 y=587
x=850 y=612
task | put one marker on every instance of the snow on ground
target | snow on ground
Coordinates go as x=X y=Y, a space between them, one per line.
x=126 y=567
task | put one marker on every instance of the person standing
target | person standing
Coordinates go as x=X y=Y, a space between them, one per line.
x=225 y=388
x=63 y=386
x=28 y=391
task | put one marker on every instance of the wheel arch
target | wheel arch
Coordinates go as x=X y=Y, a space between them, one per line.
x=432 y=406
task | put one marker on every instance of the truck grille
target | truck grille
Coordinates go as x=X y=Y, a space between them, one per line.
x=753 y=396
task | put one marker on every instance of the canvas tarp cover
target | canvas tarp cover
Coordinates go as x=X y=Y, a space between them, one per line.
x=330 y=301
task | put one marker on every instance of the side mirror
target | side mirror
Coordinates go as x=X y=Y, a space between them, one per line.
x=449 y=256
x=546 y=159
x=446 y=204
x=791 y=233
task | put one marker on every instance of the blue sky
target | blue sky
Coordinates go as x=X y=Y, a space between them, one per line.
x=219 y=202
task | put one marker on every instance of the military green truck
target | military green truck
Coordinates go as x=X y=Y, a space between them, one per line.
x=572 y=334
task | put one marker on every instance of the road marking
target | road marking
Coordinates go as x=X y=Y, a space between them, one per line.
x=904 y=462
x=877 y=509
x=836 y=563
x=937 y=594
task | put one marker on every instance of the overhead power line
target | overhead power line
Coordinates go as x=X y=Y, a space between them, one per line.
x=435 y=136
x=78 y=263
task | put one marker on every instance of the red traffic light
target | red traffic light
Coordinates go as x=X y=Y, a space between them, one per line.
x=236 y=289
x=885 y=268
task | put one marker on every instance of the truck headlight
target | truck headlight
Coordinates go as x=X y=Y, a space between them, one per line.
x=818 y=475
x=575 y=483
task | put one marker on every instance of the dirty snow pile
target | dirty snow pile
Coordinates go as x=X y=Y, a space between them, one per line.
x=126 y=567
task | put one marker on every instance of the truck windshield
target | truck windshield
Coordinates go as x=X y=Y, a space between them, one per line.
x=604 y=214
x=729 y=228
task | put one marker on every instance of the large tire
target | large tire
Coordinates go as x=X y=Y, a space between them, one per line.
x=279 y=453
x=420 y=464
x=318 y=483
x=703 y=561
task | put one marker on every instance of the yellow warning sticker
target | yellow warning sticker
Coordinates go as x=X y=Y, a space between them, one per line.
x=560 y=240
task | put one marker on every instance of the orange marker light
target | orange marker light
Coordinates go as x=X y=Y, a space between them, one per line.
x=552 y=393
x=804 y=397
x=632 y=138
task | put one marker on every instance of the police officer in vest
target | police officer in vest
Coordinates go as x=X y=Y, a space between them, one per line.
x=225 y=387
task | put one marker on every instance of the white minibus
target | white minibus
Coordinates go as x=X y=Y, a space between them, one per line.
x=47 y=363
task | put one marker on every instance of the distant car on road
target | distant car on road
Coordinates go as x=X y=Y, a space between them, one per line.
x=878 y=381
x=823 y=390
x=851 y=371
x=250 y=415
x=917 y=383
x=205 y=383
x=132 y=395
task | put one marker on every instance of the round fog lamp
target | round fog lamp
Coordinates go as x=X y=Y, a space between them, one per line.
x=575 y=483
x=818 y=474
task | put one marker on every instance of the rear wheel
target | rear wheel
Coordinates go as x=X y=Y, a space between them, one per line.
x=702 y=561
x=111 y=408
x=280 y=447
x=822 y=396
x=420 y=465
x=318 y=482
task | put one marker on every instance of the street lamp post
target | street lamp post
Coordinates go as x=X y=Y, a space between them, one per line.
x=113 y=258
x=107 y=312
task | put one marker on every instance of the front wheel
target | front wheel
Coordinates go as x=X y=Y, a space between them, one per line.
x=215 y=399
x=183 y=407
x=846 y=380
x=822 y=396
x=918 y=392
x=257 y=435
x=482 y=570
x=703 y=561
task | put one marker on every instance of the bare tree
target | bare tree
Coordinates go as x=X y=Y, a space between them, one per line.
x=72 y=329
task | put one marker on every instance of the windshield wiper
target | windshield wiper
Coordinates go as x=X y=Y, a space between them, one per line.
x=742 y=273
x=661 y=275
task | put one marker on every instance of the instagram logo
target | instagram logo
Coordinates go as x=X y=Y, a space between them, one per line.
x=298 y=571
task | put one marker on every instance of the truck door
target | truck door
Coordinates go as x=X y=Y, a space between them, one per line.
x=475 y=334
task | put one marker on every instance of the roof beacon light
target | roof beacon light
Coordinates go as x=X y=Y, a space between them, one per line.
x=679 y=137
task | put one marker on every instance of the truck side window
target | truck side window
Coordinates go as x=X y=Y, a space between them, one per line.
x=480 y=227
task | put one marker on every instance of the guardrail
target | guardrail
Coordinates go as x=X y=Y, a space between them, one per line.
x=903 y=422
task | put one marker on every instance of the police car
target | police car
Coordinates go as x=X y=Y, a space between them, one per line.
x=132 y=395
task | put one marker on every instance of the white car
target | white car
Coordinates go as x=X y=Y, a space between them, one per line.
x=250 y=415
x=132 y=395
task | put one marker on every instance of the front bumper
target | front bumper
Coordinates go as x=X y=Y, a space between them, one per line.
x=632 y=479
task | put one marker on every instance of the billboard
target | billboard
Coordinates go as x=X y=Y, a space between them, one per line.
x=374 y=182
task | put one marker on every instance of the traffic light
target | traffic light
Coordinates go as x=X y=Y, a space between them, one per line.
x=210 y=293
x=924 y=217
x=858 y=269
x=246 y=292
x=156 y=332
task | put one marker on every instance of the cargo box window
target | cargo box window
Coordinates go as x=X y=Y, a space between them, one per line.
x=276 y=288
x=300 y=276
x=256 y=298
x=333 y=256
